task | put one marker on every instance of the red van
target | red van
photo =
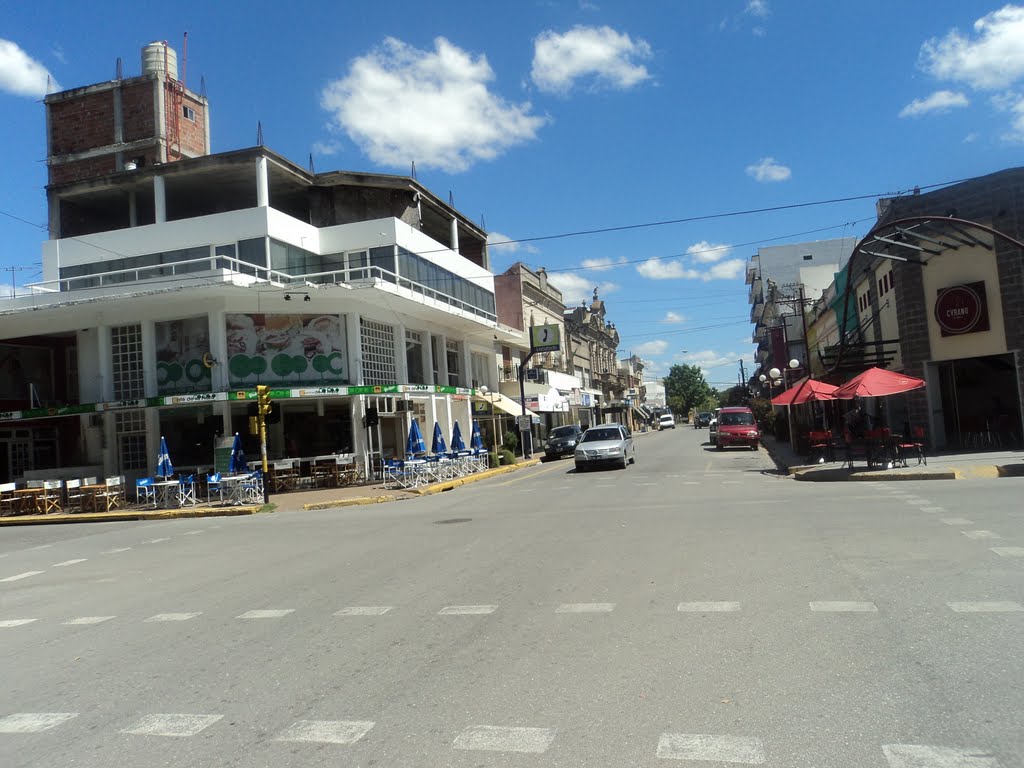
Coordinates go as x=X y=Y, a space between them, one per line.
x=737 y=426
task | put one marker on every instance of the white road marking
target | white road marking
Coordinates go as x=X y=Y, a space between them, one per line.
x=327 y=731
x=691 y=482
x=957 y=521
x=156 y=541
x=585 y=608
x=88 y=620
x=466 y=610
x=707 y=607
x=843 y=605
x=34 y=722
x=981 y=534
x=115 y=551
x=918 y=502
x=990 y=606
x=1009 y=551
x=731 y=482
x=555 y=489
x=267 y=614
x=172 y=725
x=15 y=622
x=191 y=533
x=702 y=746
x=364 y=610
x=41 y=546
x=919 y=756
x=173 y=616
x=933 y=509
x=21 y=576
x=69 y=562
x=494 y=738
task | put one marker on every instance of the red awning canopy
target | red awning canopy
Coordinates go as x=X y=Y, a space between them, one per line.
x=877 y=382
x=804 y=391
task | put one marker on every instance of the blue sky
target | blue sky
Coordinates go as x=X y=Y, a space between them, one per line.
x=551 y=118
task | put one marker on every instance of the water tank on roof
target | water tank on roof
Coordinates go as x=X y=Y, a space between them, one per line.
x=160 y=57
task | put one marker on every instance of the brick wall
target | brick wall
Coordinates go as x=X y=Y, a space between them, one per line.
x=81 y=123
x=193 y=132
x=82 y=169
x=138 y=110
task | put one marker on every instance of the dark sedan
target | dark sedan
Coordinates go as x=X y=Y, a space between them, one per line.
x=562 y=441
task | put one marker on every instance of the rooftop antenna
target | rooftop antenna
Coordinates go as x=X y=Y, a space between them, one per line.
x=119 y=69
x=414 y=170
x=184 y=58
x=451 y=199
x=259 y=133
x=311 y=168
x=483 y=223
x=12 y=270
x=202 y=86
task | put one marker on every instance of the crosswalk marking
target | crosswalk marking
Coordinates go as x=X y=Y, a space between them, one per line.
x=933 y=509
x=585 y=608
x=115 y=551
x=174 y=616
x=172 y=725
x=81 y=620
x=843 y=605
x=15 y=622
x=364 y=610
x=156 y=541
x=327 y=731
x=987 y=606
x=707 y=607
x=709 y=747
x=1009 y=551
x=191 y=533
x=21 y=576
x=34 y=722
x=266 y=614
x=981 y=535
x=921 y=756
x=69 y=562
x=495 y=738
x=957 y=521
x=466 y=610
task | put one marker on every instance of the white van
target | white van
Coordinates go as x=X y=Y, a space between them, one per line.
x=666 y=421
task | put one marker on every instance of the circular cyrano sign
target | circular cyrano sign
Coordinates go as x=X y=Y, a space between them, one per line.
x=958 y=309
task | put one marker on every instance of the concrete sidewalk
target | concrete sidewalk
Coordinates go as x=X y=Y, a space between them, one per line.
x=941 y=466
x=294 y=501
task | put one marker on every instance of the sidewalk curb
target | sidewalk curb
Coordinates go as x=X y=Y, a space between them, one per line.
x=360 y=501
x=449 y=484
x=128 y=516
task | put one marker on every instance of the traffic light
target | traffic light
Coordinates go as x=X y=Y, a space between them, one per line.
x=263 y=400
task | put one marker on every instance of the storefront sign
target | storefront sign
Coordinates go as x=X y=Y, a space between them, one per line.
x=286 y=349
x=10 y=415
x=962 y=309
x=204 y=397
x=180 y=347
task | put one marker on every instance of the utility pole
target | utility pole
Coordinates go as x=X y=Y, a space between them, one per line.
x=743 y=374
x=13 y=270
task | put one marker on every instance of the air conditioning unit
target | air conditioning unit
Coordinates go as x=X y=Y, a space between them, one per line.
x=401 y=406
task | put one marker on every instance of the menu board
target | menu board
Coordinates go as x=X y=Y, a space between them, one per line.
x=180 y=346
x=286 y=349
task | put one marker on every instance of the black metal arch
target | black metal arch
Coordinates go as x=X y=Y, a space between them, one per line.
x=914 y=239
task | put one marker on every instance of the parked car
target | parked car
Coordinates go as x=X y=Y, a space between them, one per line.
x=605 y=444
x=712 y=430
x=666 y=421
x=737 y=426
x=562 y=441
x=702 y=419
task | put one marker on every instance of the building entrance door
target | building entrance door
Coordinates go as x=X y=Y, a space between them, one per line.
x=980 y=398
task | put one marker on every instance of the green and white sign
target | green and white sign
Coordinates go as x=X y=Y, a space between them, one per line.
x=545 y=338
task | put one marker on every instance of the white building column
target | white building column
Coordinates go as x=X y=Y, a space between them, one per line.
x=159 y=199
x=401 y=362
x=466 y=379
x=217 y=334
x=442 y=360
x=104 y=357
x=149 y=384
x=428 y=359
x=355 y=350
x=262 y=183
x=455 y=235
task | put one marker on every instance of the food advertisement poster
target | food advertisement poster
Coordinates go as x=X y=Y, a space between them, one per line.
x=286 y=349
x=180 y=346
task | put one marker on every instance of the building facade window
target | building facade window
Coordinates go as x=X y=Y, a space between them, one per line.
x=454 y=358
x=377 y=342
x=414 y=356
x=131 y=439
x=126 y=361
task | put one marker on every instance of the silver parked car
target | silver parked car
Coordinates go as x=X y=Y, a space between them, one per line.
x=605 y=444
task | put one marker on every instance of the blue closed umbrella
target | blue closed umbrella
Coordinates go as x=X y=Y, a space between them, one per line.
x=237 y=465
x=458 y=444
x=415 y=442
x=476 y=442
x=437 y=444
x=164 y=468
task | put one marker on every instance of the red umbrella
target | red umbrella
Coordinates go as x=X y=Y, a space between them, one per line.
x=877 y=382
x=804 y=391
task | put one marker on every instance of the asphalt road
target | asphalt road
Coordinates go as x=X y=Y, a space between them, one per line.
x=694 y=609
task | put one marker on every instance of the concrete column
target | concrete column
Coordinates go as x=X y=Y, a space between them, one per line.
x=106 y=363
x=442 y=361
x=133 y=210
x=159 y=199
x=218 y=350
x=355 y=353
x=466 y=379
x=149 y=382
x=455 y=235
x=401 y=363
x=428 y=366
x=153 y=437
x=262 y=183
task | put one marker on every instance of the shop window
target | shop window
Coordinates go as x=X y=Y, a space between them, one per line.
x=126 y=361
x=377 y=341
x=131 y=439
x=414 y=357
x=454 y=359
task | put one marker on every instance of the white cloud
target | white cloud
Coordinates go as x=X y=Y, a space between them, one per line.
x=603 y=263
x=401 y=104
x=768 y=169
x=940 y=101
x=22 y=75
x=600 y=53
x=708 y=253
x=674 y=269
x=504 y=245
x=576 y=288
x=993 y=59
x=1014 y=104
x=656 y=347
x=326 y=148
x=758 y=8
x=725 y=270
x=673 y=318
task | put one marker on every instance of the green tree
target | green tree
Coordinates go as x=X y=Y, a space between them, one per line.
x=686 y=388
